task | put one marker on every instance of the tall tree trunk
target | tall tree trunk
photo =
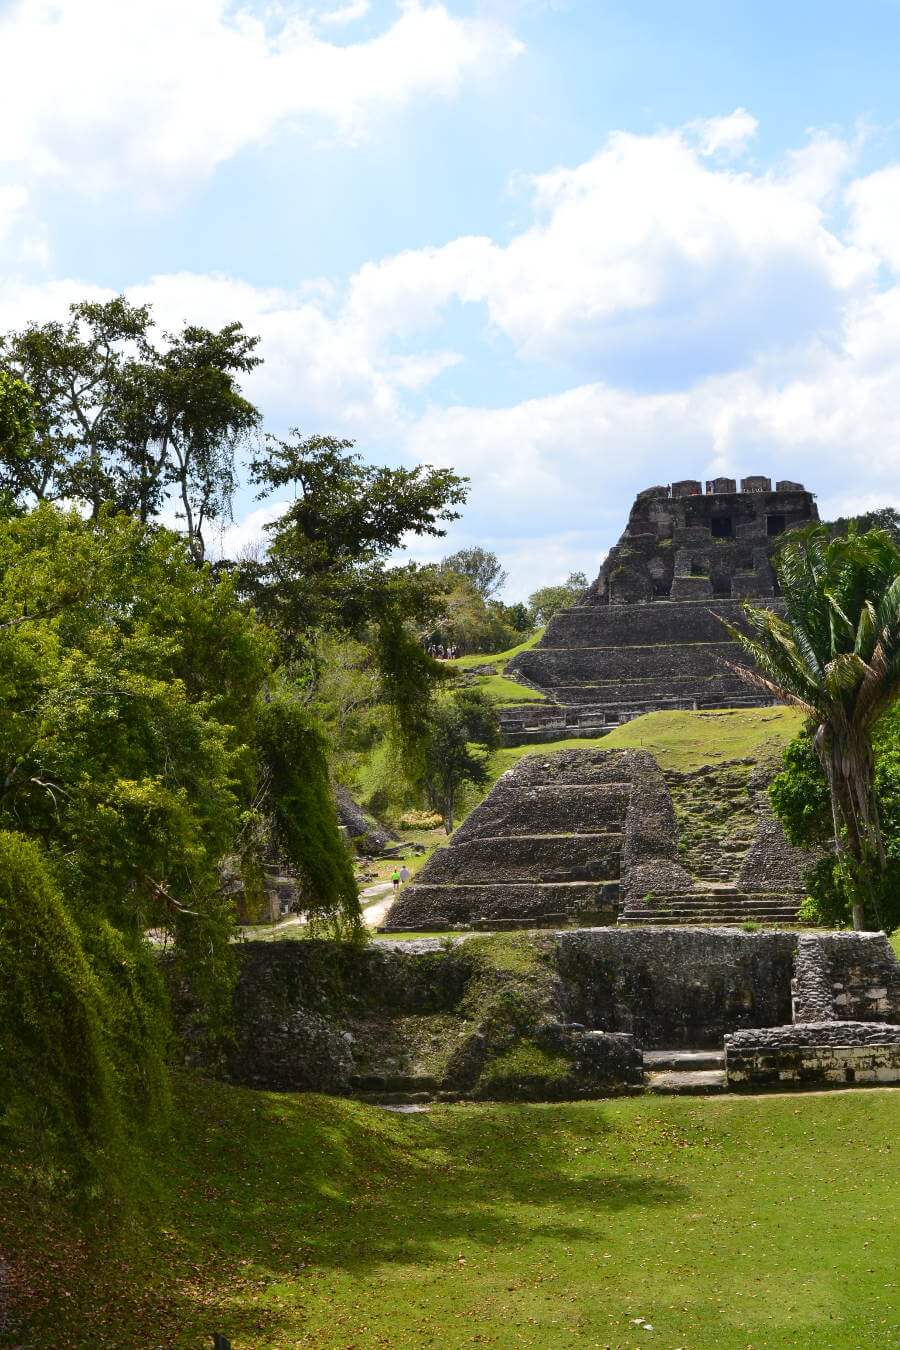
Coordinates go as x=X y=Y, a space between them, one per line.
x=849 y=767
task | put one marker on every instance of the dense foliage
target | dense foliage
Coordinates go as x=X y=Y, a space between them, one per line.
x=549 y=600
x=292 y=751
x=135 y=755
x=836 y=656
x=463 y=731
x=801 y=801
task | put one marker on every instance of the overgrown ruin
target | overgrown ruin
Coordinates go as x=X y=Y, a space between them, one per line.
x=567 y=1014
x=647 y=635
x=583 y=837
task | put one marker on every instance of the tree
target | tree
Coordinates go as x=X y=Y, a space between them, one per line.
x=463 y=730
x=326 y=563
x=482 y=568
x=139 y=744
x=801 y=801
x=121 y=421
x=304 y=815
x=885 y=518
x=836 y=656
x=468 y=621
x=549 y=600
x=16 y=432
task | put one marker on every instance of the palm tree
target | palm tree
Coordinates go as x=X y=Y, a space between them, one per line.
x=835 y=655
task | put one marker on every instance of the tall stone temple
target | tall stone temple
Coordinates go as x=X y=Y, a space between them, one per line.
x=647 y=634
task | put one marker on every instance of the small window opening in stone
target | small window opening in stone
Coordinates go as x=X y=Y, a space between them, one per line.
x=721 y=527
x=699 y=568
x=774 y=525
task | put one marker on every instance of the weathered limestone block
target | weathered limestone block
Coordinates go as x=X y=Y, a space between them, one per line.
x=650 y=862
x=676 y=986
x=813 y=1054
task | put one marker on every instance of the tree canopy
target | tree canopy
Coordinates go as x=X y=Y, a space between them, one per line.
x=125 y=417
x=836 y=656
x=549 y=600
x=482 y=567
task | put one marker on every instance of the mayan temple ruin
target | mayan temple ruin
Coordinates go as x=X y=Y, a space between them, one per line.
x=647 y=635
x=585 y=837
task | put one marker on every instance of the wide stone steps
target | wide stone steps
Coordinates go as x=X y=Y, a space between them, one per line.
x=719 y=907
x=684 y=1072
x=529 y=858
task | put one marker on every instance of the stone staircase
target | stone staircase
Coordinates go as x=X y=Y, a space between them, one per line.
x=720 y=907
x=601 y=665
x=684 y=1072
x=543 y=849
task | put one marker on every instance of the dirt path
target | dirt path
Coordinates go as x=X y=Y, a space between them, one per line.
x=376 y=901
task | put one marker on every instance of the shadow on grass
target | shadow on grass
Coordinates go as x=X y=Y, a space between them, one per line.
x=260 y=1190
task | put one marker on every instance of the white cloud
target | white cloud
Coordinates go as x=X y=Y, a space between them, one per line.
x=646 y=259
x=155 y=93
x=726 y=135
x=12 y=203
x=874 y=204
x=349 y=13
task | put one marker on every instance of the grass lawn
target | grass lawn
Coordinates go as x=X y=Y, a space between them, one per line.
x=291 y=1221
x=498 y=659
x=504 y=690
x=679 y=740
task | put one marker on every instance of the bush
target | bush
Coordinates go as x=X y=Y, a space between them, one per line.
x=420 y=820
x=58 y=1085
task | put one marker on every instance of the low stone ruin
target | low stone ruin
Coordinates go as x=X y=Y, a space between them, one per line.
x=586 y=837
x=646 y=635
x=565 y=1014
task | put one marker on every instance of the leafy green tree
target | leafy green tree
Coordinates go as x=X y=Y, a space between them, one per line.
x=801 y=801
x=326 y=565
x=549 y=600
x=518 y=616
x=468 y=621
x=129 y=687
x=836 y=656
x=16 y=434
x=463 y=731
x=482 y=567
x=885 y=518
x=121 y=420
x=306 y=830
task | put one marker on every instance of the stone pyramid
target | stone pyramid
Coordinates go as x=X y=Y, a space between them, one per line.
x=647 y=635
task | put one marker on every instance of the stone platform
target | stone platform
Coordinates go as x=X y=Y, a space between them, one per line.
x=587 y=837
x=648 y=634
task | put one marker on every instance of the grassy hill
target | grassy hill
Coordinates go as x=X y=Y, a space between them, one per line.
x=678 y=740
x=286 y=1220
x=503 y=689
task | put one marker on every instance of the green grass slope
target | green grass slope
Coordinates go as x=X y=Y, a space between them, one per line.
x=681 y=740
x=287 y=1221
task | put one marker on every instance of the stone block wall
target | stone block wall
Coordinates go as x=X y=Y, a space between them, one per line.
x=453 y=1015
x=814 y=1054
x=676 y=986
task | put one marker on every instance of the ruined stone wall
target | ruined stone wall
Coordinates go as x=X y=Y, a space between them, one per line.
x=845 y=1005
x=813 y=1055
x=562 y=1014
x=677 y=986
x=682 y=543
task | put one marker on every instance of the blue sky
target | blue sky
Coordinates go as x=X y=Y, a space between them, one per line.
x=571 y=247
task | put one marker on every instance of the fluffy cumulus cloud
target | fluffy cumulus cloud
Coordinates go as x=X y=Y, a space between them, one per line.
x=648 y=263
x=151 y=95
x=673 y=310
